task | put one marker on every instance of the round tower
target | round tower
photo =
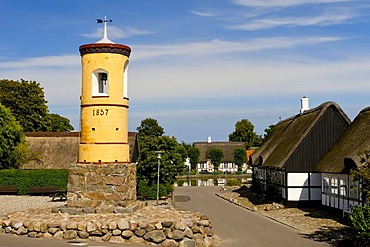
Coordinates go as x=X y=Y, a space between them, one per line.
x=103 y=175
x=104 y=103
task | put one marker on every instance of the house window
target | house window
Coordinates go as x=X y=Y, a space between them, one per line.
x=325 y=185
x=334 y=186
x=353 y=188
x=342 y=187
x=100 y=83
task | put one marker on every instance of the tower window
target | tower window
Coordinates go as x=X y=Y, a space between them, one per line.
x=100 y=83
x=103 y=78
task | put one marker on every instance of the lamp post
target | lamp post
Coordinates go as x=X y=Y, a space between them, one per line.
x=158 y=170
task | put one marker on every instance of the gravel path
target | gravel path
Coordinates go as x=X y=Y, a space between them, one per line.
x=10 y=204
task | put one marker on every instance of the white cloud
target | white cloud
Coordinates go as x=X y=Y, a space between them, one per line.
x=203 y=13
x=284 y=3
x=48 y=61
x=220 y=47
x=322 y=20
x=115 y=32
x=227 y=79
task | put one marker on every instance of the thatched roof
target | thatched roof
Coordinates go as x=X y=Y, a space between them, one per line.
x=289 y=134
x=57 y=150
x=344 y=154
x=227 y=148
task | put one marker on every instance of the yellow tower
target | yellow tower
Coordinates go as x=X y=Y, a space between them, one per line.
x=104 y=102
x=103 y=175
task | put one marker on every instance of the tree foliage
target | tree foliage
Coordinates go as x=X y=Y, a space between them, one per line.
x=26 y=101
x=152 y=140
x=194 y=154
x=360 y=223
x=59 y=123
x=244 y=132
x=150 y=127
x=13 y=148
x=268 y=132
x=215 y=155
x=360 y=216
x=239 y=157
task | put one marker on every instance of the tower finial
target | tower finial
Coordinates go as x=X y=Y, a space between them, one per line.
x=105 y=37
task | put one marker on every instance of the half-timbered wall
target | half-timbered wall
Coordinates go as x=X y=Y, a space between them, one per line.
x=340 y=191
x=303 y=186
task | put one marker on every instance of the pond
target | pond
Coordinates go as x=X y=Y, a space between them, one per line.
x=206 y=182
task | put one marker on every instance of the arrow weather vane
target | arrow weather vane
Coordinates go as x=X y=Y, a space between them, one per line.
x=105 y=26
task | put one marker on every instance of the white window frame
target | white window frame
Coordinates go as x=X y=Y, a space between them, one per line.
x=97 y=83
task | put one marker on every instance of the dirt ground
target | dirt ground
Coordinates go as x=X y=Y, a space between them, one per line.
x=313 y=223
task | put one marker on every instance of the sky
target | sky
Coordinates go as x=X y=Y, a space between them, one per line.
x=198 y=67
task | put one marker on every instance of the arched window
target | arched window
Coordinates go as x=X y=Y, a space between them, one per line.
x=100 y=83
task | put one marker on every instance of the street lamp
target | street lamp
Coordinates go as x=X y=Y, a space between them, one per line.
x=159 y=166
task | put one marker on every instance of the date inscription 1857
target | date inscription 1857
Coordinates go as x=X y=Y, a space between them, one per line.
x=100 y=112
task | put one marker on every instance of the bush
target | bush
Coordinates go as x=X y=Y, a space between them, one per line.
x=150 y=190
x=360 y=222
x=217 y=172
x=24 y=179
x=233 y=182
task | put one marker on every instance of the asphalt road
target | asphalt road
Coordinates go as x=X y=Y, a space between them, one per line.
x=237 y=226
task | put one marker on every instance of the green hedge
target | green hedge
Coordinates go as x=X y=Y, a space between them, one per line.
x=148 y=190
x=233 y=182
x=24 y=179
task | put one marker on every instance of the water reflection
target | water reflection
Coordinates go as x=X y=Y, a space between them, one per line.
x=205 y=182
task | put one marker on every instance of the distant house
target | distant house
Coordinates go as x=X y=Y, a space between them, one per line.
x=283 y=167
x=227 y=162
x=339 y=190
x=57 y=150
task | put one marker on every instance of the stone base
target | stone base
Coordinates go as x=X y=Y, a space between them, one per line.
x=100 y=185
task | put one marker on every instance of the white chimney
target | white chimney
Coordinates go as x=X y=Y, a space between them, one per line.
x=305 y=104
x=209 y=139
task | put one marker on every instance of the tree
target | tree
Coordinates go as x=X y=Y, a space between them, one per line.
x=239 y=157
x=13 y=148
x=244 y=132
x=194 y=154
x=268 y=132
x=360 y=215
x=172 y=161
x=150 y=127
x=59 y=123
x=215 y=155
x=26 y=101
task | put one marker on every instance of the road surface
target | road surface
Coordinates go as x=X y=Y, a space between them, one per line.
x=237 y=226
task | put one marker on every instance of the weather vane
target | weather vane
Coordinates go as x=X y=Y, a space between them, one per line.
x=105 y=26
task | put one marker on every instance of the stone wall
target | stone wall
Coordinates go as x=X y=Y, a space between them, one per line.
x=100 y=185
x=149 y=225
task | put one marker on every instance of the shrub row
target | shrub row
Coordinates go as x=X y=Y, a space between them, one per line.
x=24 y=179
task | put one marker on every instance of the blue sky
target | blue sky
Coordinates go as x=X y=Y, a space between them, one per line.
x=198 y=66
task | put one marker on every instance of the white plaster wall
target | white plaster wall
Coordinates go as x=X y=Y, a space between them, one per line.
x=297 y=194
x=297 y=179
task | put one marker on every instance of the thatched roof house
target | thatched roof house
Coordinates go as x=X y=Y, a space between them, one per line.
x=227 y=148
x=56 y=150
x=283 y=167
x=299 y=142
x=344 y=154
